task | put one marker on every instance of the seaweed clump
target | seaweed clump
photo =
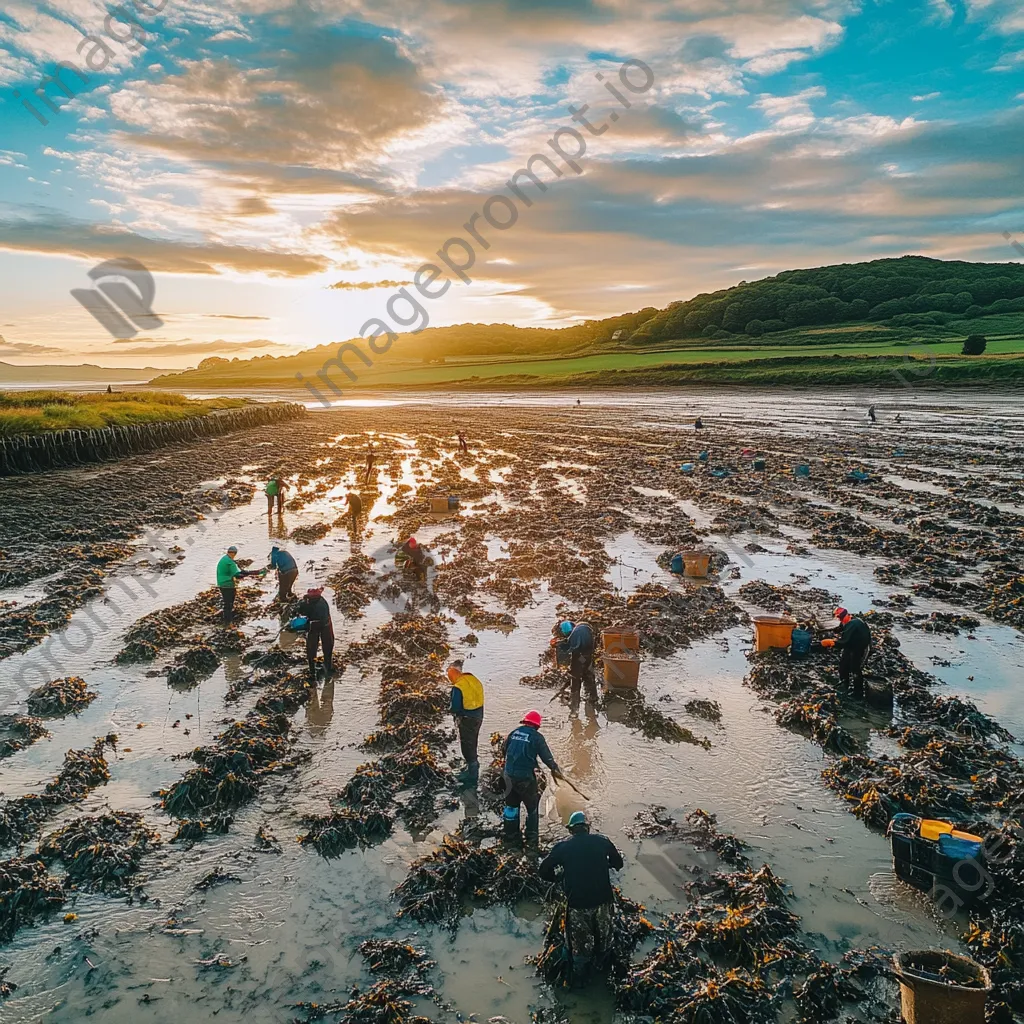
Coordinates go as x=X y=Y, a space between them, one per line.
x=27 y=892
x=101 y=853
x=82 y=771
x=18 y=732
x=60 y=697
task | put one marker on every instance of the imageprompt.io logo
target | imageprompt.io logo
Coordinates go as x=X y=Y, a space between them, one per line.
x=122 y=300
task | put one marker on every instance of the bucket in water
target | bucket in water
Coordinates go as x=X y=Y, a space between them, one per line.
x=802 y=470
x=695 y=563
x=760 y=464
x=773 y=631
x=439 y=504
x=621 y=670
x=938 y=987
x=687 y=467
x=704 y=456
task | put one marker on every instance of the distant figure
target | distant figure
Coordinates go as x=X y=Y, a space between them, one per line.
x=899 y=418
x=320 y=633
x=698 y=424
x=578 y=402
x=274 y=492
x=462 y=442
x=871 y=414
x=110 y=390
x=355 y=508
x=371 y=456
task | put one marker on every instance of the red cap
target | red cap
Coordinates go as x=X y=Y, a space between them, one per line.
x=412 y=542
x=532 y=718
x=840 y=613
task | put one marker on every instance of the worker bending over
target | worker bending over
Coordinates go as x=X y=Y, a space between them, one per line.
x=585 y=859
x=275 y=492
x=411 y=553
x=580 y=645
x=287 y=572
x=854 y=645
x=524 y=745
x=320 y=633
x=467 y=705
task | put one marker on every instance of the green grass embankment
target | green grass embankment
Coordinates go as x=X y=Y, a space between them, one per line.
x=41 y=412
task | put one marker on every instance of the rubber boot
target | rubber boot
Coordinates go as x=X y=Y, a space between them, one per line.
x=471 y=776
x=510 y=826
x=532 y=827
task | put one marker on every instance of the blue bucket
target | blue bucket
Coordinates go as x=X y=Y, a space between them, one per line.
x=802 y=470
x=687 y=467
x=299 y=623
x=704 y=456
x=676 y=565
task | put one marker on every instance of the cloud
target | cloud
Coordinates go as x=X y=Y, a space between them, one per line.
x=193 y=348
x=926 y=97
x=53 y=233
x=232 y=316
x=365 y=285
x=21 y=348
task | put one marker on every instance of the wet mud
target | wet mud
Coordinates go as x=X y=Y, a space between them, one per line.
x=774 y=903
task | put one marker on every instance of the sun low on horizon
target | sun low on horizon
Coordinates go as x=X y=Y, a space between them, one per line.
x=281 y=172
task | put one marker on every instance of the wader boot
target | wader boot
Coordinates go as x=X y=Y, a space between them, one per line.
x=510 y=826
x=532 y=827
x=471 y=776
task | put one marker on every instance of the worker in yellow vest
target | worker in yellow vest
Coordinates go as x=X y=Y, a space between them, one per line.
x=468 y=708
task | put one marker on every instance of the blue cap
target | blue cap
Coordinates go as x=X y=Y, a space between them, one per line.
x=577 y=818
x=566 y=628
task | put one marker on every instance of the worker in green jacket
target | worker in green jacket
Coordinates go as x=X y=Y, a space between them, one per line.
x=274 y=492
x=228 y=570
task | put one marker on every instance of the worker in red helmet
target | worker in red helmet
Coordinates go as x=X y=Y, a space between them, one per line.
x=413 y=554
x=524 y=746
x=854 y=644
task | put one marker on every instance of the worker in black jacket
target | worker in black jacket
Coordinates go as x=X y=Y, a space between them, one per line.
x=854 y=646
x=586 y=859
x=320 y=633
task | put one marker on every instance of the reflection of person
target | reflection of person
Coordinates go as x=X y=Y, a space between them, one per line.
x=467 y=705
x=582 y=745
x=854 y=644
x=320 y=709
x=320 y=632
x=524 y=746
x=287 y=572
x=586 y=860
x=228 y=570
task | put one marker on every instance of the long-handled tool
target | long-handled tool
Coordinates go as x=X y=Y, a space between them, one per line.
x=565 y=778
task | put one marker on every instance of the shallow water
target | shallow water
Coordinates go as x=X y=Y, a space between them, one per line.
x=296 y=918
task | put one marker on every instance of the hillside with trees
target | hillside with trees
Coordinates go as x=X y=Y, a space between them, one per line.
x=912 y=299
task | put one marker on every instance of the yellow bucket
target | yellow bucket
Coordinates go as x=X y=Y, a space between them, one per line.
x=621 y=672
x=695 y=563
x=773 y=631
x=439 y=504
x=931 y=829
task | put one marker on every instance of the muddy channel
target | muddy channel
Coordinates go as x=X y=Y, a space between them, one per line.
x=225 y=836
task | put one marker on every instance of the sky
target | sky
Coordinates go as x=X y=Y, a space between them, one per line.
x=281 y=168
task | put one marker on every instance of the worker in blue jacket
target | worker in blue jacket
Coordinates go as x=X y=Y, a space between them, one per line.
x=524 y=746
x=467 y=705
x=287 y=573
x=580 y=645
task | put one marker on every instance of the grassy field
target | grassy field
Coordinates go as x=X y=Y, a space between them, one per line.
x=38 y=412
